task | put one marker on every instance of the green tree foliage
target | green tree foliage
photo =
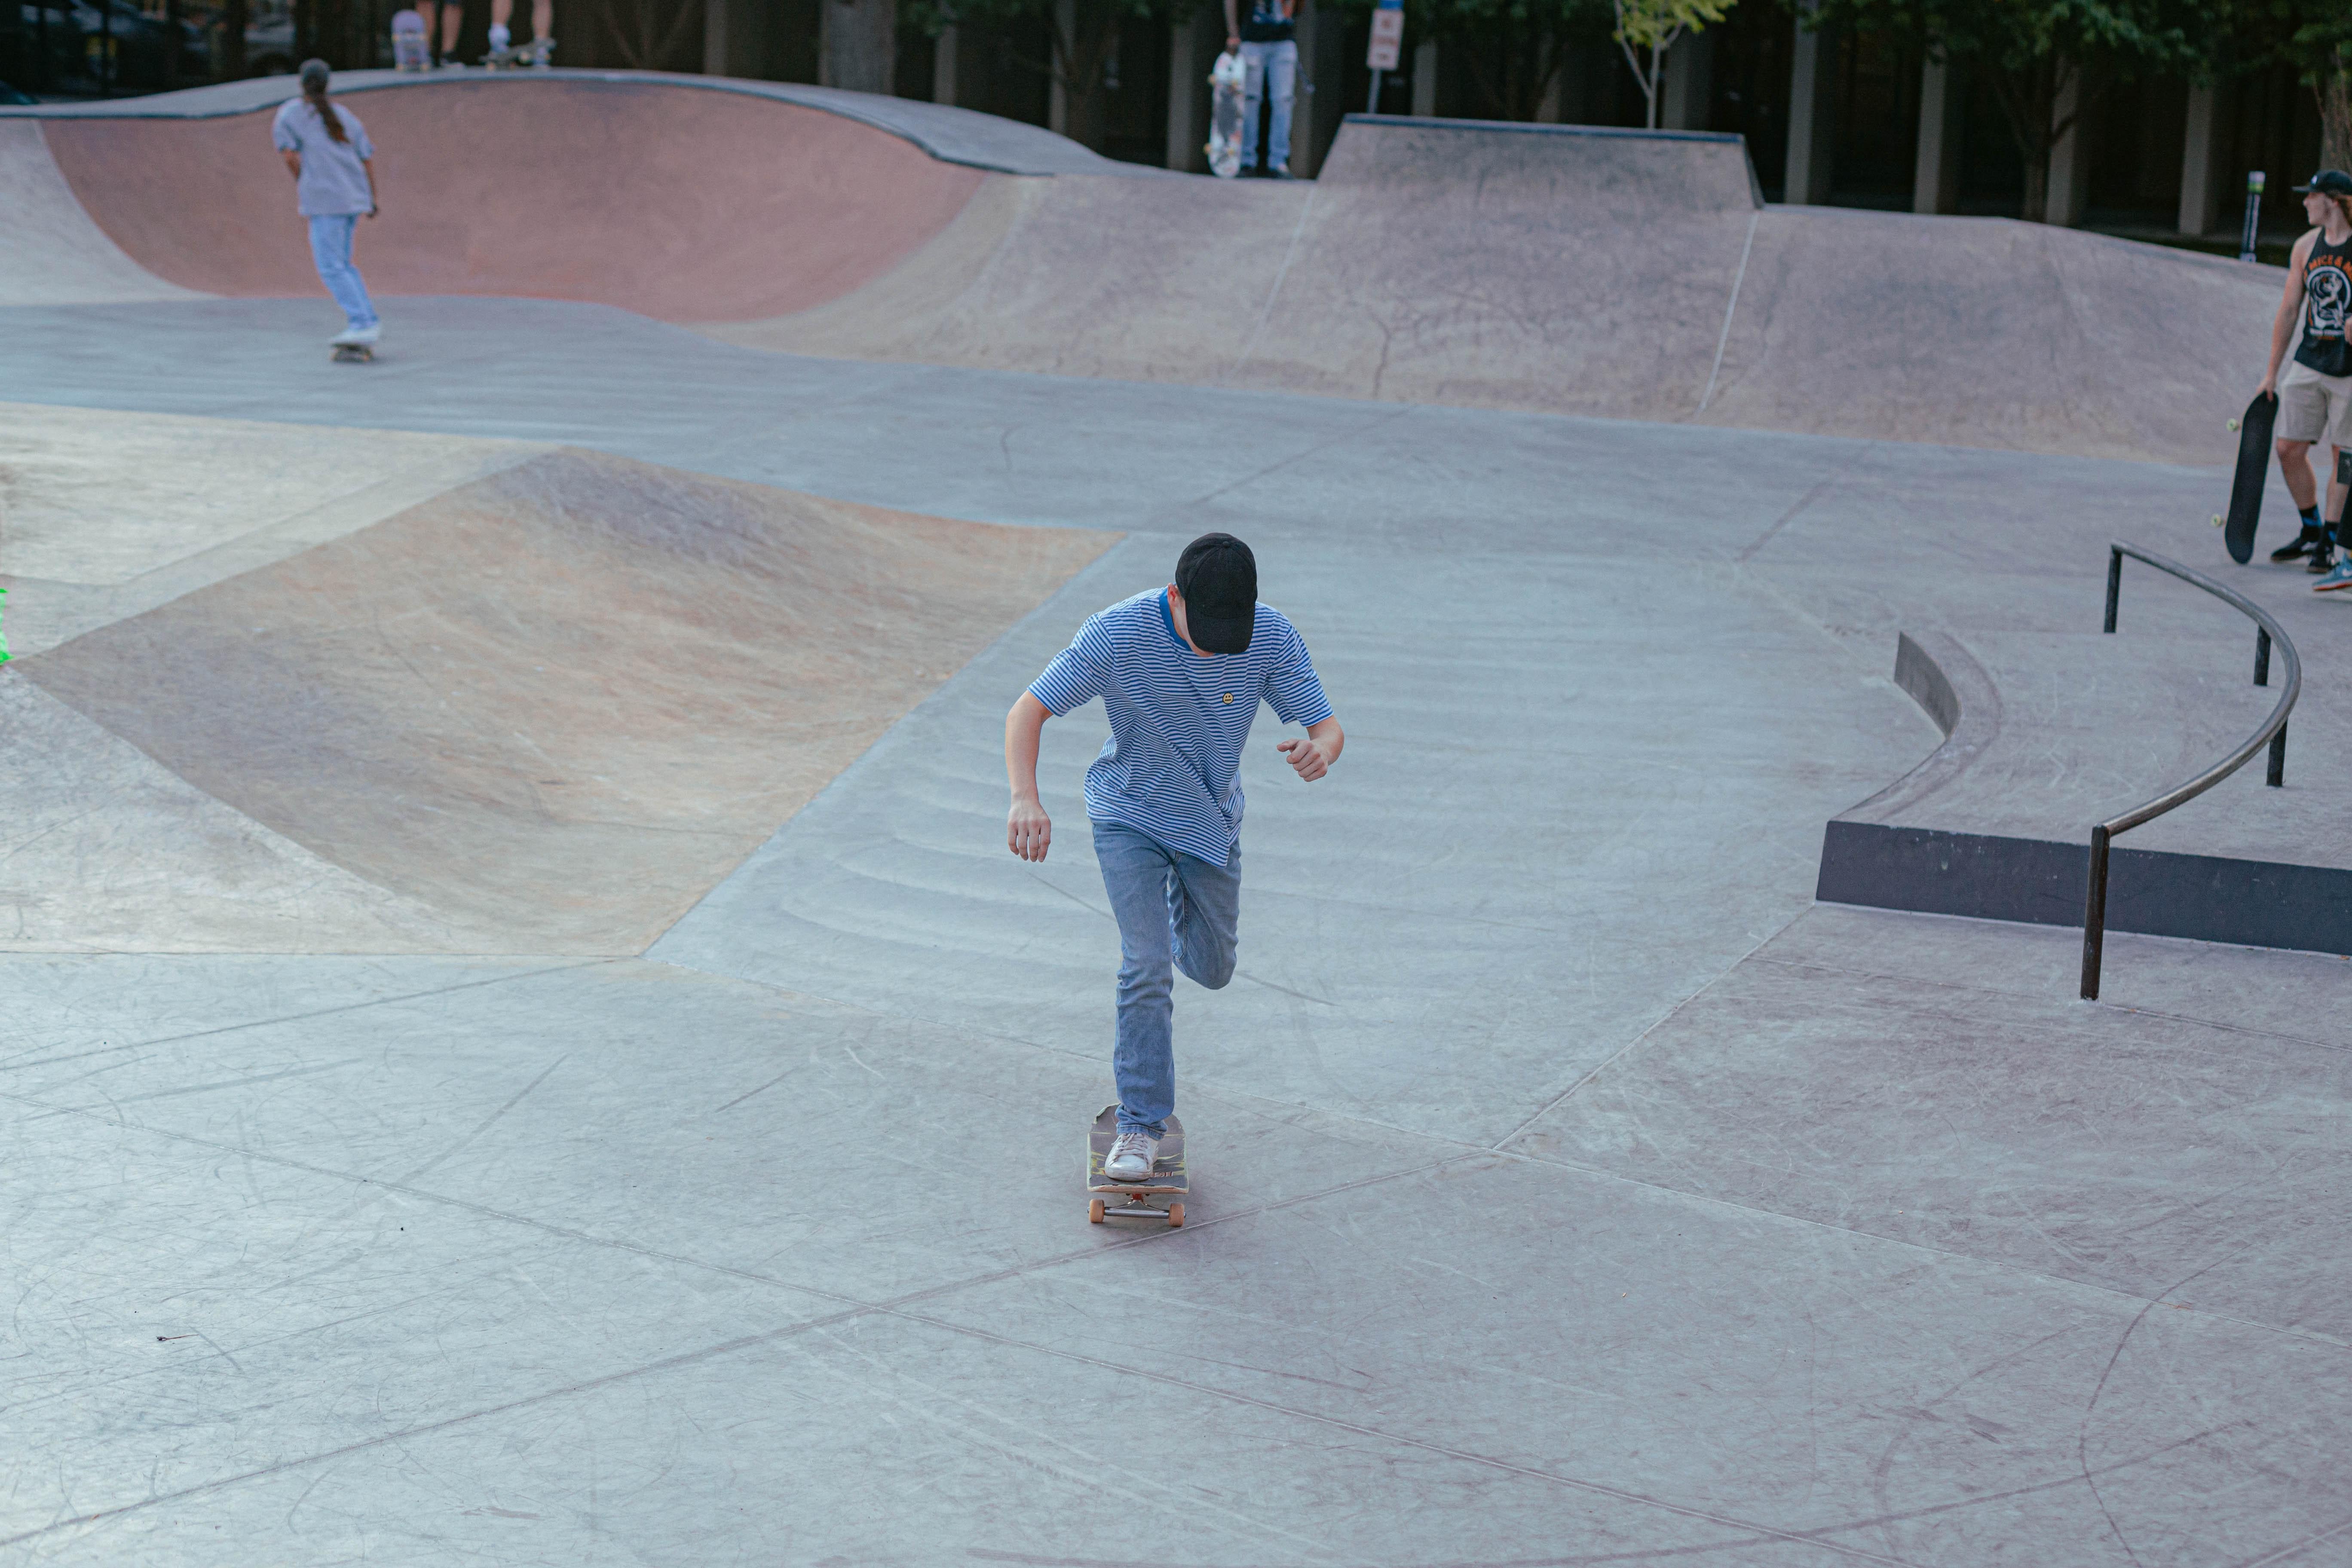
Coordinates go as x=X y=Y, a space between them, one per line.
x=1651 y=27
x=2314 y=38
x=1081 y=35
x=2033 y=52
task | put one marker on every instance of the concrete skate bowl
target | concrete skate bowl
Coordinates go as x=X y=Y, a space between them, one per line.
x=1555 y=269
x=547 y=709
x=679 y=204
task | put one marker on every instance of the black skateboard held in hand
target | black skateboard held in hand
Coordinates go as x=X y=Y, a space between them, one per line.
x=2254 y=472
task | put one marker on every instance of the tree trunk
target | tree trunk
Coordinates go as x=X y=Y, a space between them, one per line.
x=860 y=45
x=2029 y=101
x=2333 y=91
x=1084 y=36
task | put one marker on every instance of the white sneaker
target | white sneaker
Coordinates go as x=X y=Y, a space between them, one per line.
x=1131 y=1157
x=358 y=337
x=500 y=37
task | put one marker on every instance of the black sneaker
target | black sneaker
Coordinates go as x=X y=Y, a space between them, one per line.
x=2296 y=548
x=2323 y=559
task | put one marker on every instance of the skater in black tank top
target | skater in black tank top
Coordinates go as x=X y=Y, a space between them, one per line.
x=2316 y=395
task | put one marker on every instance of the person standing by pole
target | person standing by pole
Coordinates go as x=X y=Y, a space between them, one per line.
x=327 y=151
x=2316 y=397
x=1267 y=42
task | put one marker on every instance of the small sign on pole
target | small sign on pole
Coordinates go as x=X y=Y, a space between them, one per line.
x=1387 y=45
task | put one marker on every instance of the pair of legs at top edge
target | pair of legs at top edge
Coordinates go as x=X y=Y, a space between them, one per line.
x=452 y=15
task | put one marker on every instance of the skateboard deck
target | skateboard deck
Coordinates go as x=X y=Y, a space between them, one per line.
x=1161 y=1197
x=2253 y=473
x=1229 y=81
x=353 y=354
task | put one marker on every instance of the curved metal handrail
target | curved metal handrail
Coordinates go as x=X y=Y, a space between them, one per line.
x=2273 y=733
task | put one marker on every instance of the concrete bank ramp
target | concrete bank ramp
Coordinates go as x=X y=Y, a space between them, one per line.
x=543 y=712
x=1578 y=271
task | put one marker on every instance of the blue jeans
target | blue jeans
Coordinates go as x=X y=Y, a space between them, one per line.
x=1279 y=62
x=330 y=247
x=1172 y=909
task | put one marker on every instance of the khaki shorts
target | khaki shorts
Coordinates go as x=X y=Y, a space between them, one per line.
x=2315 y=408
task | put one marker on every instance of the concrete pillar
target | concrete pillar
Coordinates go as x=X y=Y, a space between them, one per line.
x=2200 y=163
x=1811 y=118
x=2070 y=156
x=1424 y=77
x=1322 y=66
x=738 y=38
x=1057 y=97
x=714 y=37
x=857 y=43
x=1688 y=89
x=1935 y=178
x=943 y=67
x=1192 y=49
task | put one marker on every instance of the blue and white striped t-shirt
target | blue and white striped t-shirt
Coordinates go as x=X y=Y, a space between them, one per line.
x=1171 y=769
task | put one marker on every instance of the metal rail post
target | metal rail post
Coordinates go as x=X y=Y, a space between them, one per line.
x=2094 y=913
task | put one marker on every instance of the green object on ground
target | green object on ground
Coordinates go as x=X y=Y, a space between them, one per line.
x=3 y=640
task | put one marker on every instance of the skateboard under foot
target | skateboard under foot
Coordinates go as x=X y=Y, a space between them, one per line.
x=1159 y=1197
x=353 y=354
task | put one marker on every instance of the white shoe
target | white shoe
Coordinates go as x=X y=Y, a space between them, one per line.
x=500 y=37
x=1131 y=1157
x=357 y=337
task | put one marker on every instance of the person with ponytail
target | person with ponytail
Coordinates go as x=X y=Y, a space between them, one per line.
x=327 y=150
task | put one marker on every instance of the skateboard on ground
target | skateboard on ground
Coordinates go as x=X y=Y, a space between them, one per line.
x=1227 y=82
x=1159 y=1197
x=2254 y=472
x=536 y=55
x=353 y=354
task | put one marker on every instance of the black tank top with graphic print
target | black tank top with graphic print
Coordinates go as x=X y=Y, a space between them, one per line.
x=2326 y=300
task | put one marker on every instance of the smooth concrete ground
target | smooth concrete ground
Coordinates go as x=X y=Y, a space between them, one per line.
x=1570 y=1188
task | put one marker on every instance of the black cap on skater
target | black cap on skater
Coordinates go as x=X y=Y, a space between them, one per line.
x=314 y=74
x=2327 y=183
x=1218 y=577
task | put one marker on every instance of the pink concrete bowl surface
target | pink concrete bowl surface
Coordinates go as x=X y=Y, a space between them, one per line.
x=679 y=204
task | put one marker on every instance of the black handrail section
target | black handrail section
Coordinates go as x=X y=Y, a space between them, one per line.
x=2272 y=734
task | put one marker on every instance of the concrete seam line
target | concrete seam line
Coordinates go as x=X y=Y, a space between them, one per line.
x=1267 y=311
x=1729 y=307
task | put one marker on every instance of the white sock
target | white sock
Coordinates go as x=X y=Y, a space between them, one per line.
x=499 y=37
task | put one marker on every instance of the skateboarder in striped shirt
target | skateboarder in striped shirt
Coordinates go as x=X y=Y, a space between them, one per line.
x=1181 y=670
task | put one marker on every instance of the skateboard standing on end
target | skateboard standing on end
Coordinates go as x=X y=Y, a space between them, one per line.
x=2253 y=473
x=1228 y=81
x=1135 y=1200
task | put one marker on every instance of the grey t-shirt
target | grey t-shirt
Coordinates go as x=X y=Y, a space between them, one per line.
x=332 y=182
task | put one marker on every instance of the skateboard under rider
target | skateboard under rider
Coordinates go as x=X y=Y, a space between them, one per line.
x=1227 y=80
x=1159 y=1197
x=2253 y=473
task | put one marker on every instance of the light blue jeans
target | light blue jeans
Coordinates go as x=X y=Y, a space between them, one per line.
x=1280 y=63
x=330 y=247
x=1172 y=909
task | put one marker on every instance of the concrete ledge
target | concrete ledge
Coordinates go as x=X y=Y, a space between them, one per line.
x=1869 y=860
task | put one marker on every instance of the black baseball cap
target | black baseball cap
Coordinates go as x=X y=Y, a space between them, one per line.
x=1218 y=577
x=2328 y=183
